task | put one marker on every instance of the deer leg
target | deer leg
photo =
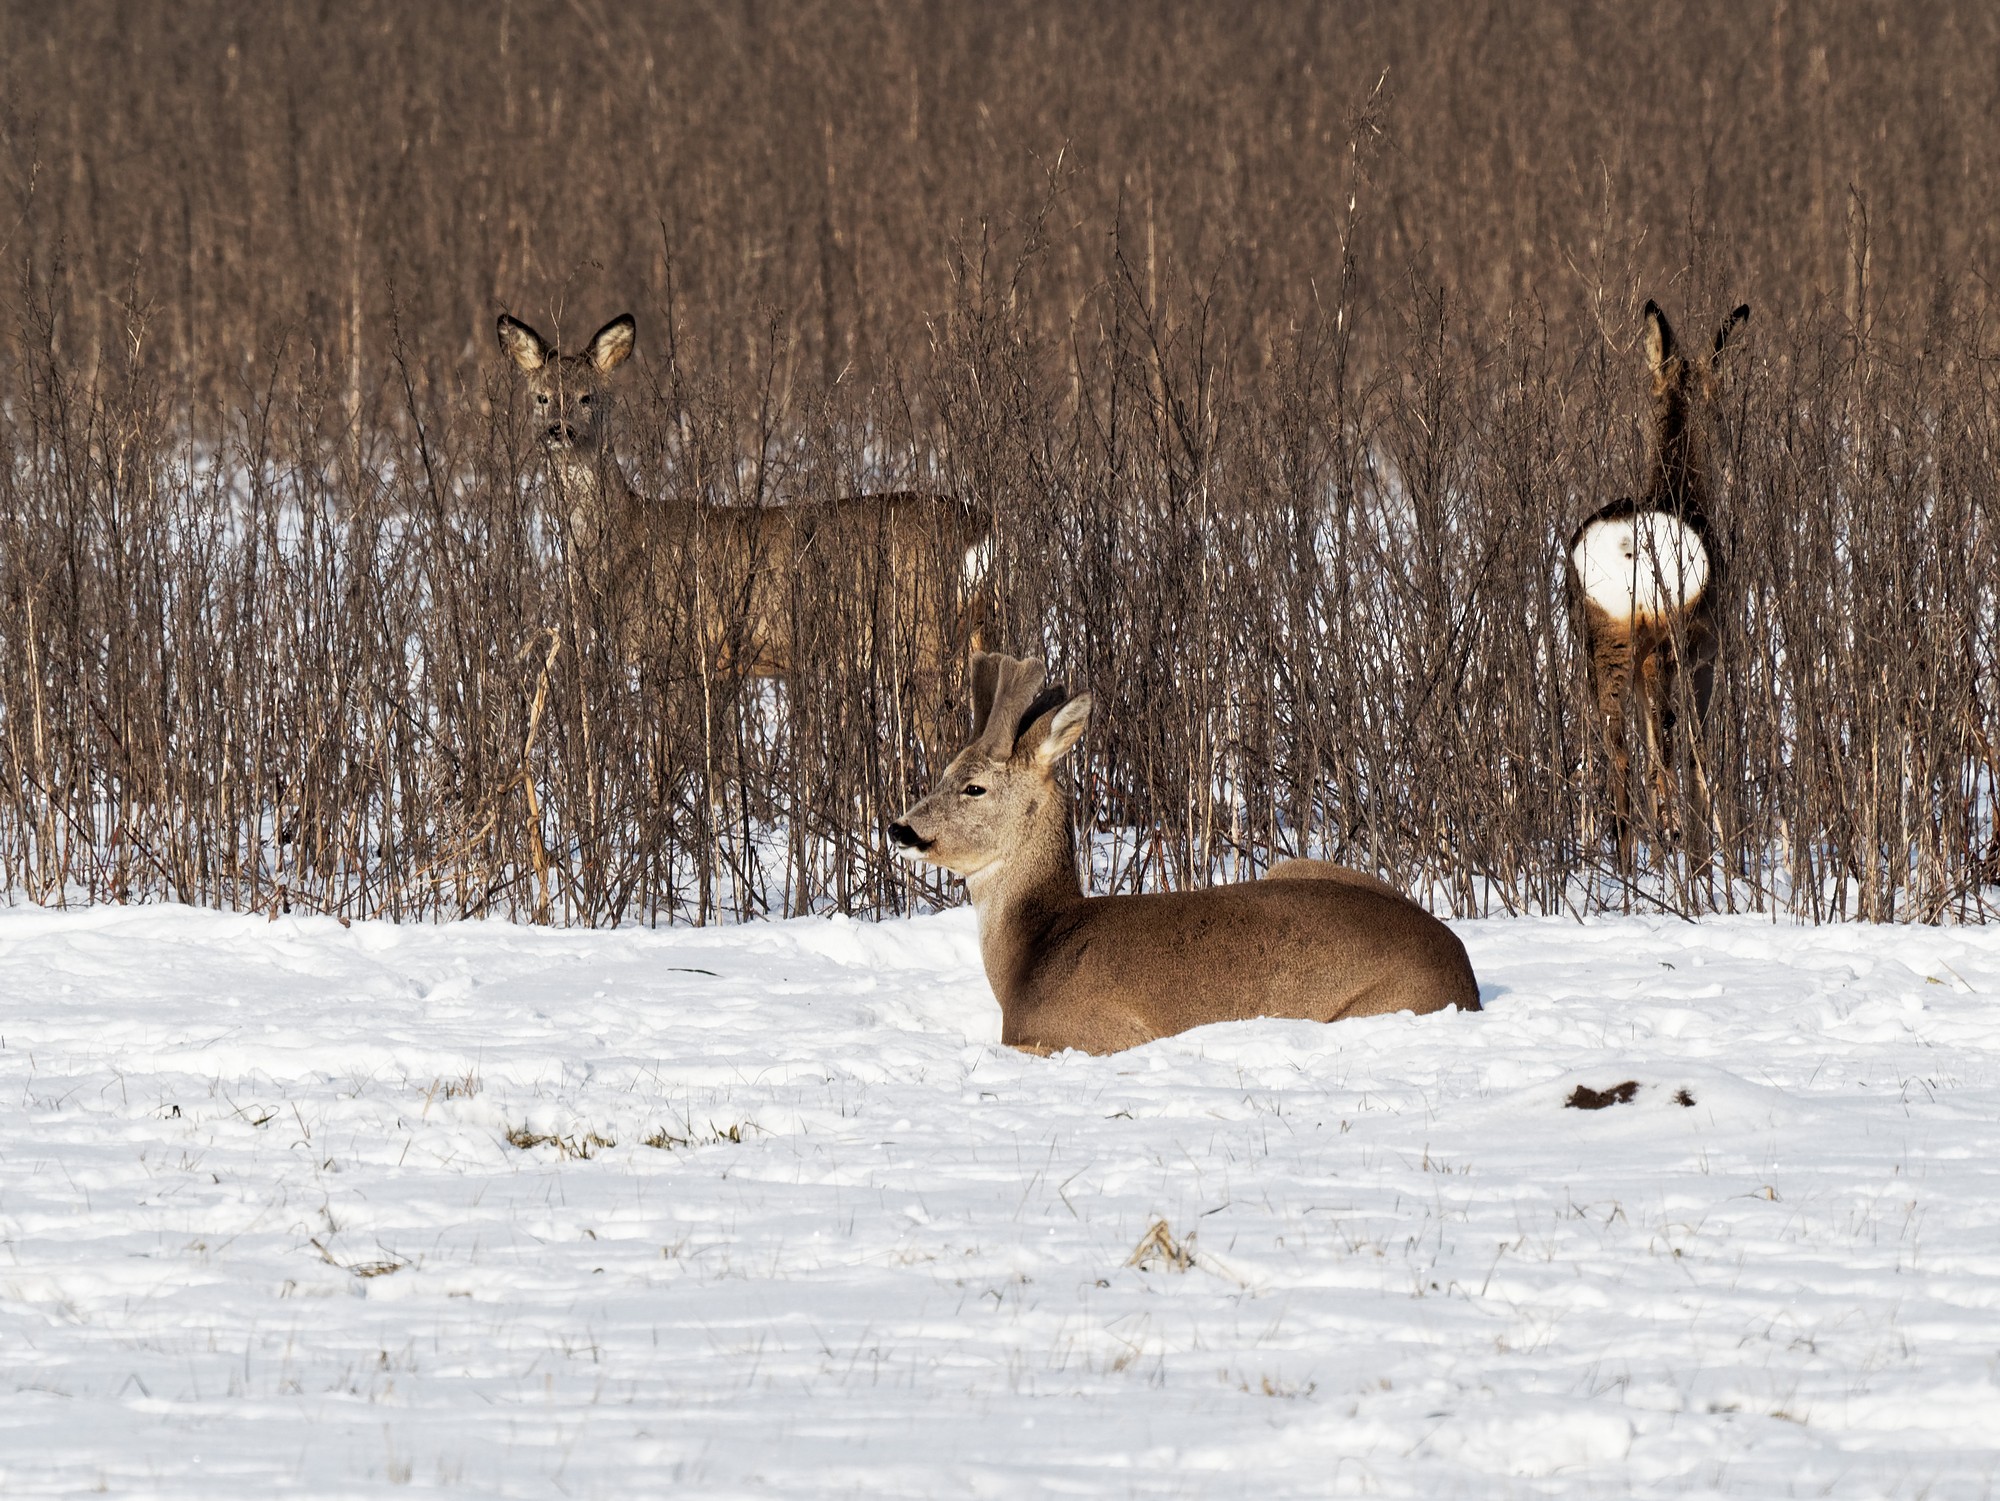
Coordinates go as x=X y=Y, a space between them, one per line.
x=1701 y=678
x=1657 y=678
x=1611 y=672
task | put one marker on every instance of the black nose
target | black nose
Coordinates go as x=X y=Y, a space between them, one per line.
x=561 y=435
x=903 y=834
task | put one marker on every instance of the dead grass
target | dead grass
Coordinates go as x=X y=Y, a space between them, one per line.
x=382 y=1267
x=1157 y=1248
x=582 y=1147
x=465 y=1086
x=666 y=1141
x=1287 y=380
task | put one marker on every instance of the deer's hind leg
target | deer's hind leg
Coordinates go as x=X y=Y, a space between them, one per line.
x=1701 y=683
x=1659 y=678
x=1610 y=654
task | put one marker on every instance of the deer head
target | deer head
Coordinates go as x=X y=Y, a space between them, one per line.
x=998 y=796
x=1685 y=408
x=570 y=401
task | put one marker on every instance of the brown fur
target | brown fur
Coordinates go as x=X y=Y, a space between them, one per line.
x=633 y=552
x=1326 y=870
x=1635 y=662
x=1315 y=941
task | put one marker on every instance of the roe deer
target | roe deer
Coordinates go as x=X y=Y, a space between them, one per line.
x=1312 y=941
x=1646 y=581
x=930 y=551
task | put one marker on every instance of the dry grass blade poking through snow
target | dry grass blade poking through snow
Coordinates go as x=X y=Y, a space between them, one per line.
x=1158 y=1247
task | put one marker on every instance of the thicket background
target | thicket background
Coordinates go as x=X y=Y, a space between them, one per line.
x=1288 y=344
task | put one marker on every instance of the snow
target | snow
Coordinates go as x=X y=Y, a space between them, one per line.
x=263 y=1230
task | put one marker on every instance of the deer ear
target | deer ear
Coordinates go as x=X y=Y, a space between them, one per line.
x=612 y=343
x=985 y=682
x=1659 y=340
x=521 y=344
x=1017 y=700
x=1729 y=326
x=1056 y=733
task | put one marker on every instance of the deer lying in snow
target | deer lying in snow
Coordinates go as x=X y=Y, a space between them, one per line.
x=1312 y=940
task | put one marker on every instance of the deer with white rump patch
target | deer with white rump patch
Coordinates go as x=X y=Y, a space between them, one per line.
x=1312 y=941
x=929 y=554
x=1646 y=579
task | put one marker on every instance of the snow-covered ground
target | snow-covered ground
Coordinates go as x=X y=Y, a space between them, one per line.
x=287 y=1209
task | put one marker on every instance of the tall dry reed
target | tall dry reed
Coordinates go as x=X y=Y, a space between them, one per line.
x=1285 y=375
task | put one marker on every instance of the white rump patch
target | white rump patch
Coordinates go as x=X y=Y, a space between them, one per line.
x=1641 y=567
x=978 y=562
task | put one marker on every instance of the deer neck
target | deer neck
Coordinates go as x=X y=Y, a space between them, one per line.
x=1019 y=896
x=1680 y=459
x=597 y=503
x=588 y=479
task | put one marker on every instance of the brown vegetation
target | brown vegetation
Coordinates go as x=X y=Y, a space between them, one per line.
x=1285 y=379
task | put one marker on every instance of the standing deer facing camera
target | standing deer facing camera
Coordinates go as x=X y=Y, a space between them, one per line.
x=1313 y=941
x=631 y=549
x=1646 y=579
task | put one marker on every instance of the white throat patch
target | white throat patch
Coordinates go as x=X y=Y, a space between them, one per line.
x=1641 y=567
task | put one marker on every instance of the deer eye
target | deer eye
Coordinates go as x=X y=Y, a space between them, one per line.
x=584 y=400
x=973 y=789
x=541 y=398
